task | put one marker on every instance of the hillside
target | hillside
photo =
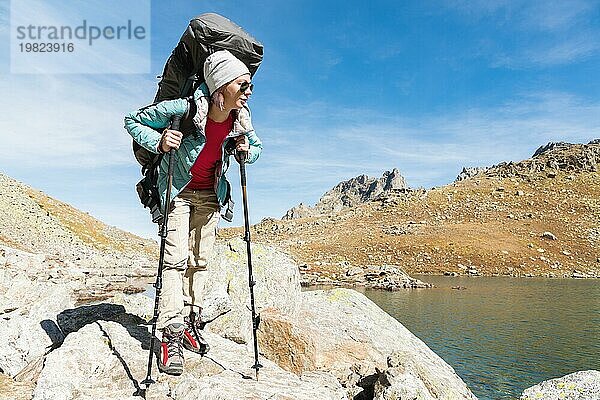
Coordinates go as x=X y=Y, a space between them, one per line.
x=32 y=221
x=536 y=217
x=107 y=258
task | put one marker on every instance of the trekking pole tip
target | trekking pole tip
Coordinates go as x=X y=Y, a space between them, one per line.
x=141 y=392
x=256 y=367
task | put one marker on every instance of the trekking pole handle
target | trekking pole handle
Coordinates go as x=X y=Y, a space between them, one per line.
x=242 y=156
x=175 y=122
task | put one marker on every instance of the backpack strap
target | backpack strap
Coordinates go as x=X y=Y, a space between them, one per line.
x=187 y=126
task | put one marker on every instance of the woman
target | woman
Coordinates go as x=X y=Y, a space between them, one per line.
x=199 y=191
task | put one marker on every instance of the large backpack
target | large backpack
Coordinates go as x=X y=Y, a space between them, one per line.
x=182 y=75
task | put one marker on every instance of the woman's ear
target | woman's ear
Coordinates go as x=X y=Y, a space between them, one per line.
x=218 y=100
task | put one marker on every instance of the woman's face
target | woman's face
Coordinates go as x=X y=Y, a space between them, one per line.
x=233 y=96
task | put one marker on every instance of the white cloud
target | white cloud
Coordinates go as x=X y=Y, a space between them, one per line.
x=68 y=120
x=3 y=16
x=564 y=51
x=428 y=150
x=547 y=33
x=556 y=15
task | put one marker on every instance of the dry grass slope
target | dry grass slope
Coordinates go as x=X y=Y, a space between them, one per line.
x=90 y=230
x=32 y=221
x=489 y=224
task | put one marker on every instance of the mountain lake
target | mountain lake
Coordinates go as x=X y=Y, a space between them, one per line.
x=502 y=335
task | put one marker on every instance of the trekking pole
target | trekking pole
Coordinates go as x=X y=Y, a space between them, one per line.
x=163 y=239
x=251 y=281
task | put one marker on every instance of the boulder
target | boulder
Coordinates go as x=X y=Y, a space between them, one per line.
x=391 y=277
x=97 y=361
x=278 y=286
x=318 y=345
x=104 y=361
x=582 y=385
x=342 y=332
x=548 y=235
x=400 y=382
x=29 y=306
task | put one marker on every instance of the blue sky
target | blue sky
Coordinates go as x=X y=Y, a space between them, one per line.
x=345 y=88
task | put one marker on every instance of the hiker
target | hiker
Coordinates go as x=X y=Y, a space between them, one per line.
x=221 y=118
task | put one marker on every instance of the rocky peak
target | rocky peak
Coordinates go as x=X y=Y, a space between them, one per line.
x=547 y=160
x=551 y=146
x=350 y=193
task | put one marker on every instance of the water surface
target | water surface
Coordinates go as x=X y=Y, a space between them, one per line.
x=503 y=335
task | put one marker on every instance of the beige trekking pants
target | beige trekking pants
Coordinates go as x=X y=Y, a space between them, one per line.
x=192 y=229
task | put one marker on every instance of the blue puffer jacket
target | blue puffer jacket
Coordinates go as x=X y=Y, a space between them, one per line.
x=141 y=125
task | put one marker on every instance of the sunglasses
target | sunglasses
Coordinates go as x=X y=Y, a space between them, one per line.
x=245 y=85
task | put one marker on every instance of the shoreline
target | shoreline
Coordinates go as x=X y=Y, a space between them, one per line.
x=422 y=279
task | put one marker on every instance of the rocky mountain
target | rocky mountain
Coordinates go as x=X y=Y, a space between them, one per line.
x=68 y=239
x=535 y=217
x=550 y=158
x=350 y=193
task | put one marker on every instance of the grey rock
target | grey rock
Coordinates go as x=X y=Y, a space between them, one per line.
x=94 y=362
x=470 y=172
x=102 y=360
x=300 y=211
x=278 y=286
x=582 y=385
x=400 y=382
x=30 y=307
x=342 y=332
x=551 y=146
x=391 y=277
x=216 y=304
x=548 y=235
x=353 y=271
x=546 y=161
x=99 y=349
x=358 y=190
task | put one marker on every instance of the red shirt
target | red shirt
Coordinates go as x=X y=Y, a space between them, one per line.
x=203 y=170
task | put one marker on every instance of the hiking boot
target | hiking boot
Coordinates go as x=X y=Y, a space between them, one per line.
x=171 y=350
x=192 y=339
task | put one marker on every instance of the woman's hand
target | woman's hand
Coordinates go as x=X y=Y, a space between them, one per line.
x=242 y=146
x=171 y=139
x=241 y=143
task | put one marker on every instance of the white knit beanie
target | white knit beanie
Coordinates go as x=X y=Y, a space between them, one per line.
x=222 y=67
